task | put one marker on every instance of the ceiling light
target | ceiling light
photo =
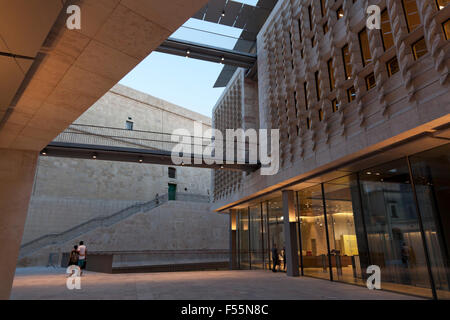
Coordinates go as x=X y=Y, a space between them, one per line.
x=223 y=13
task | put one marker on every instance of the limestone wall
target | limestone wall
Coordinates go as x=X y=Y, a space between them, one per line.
x=68 y=192
x=173 y=226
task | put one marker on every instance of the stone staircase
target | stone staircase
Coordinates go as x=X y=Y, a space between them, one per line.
x=105 y=221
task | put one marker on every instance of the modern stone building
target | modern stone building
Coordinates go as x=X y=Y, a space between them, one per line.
x=363 y=117
x=71 y=196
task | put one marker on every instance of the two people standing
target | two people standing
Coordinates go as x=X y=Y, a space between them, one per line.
x=78 y=256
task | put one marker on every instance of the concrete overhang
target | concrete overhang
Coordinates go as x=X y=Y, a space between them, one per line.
x=54 y=74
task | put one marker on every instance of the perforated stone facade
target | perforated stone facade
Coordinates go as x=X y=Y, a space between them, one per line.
x=295 y=88
x=236 y=108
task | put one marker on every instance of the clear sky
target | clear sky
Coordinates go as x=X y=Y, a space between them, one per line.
x=184 y=81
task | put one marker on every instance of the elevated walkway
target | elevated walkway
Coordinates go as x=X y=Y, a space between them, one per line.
x=116 y=144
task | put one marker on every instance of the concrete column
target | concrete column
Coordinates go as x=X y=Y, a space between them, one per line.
x=233 y=240
x=290 y=233
x=17 y=172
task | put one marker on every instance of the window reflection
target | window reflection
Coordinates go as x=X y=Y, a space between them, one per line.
x=244 y=262
x=256 y=239
x=313 y=233
x=393 y=231
x=340 y=194
x=276 y=231
x=431 y=172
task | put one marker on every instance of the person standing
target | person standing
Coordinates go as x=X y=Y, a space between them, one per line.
x=82 y=252
x=73 y=257
x=275 y=260
x=283 y=256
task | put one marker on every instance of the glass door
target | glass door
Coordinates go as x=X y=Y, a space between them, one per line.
x=313 y=233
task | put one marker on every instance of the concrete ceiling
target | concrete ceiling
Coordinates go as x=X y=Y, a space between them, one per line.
x=48 y=79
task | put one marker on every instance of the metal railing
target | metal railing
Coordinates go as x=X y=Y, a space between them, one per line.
x=82 y=134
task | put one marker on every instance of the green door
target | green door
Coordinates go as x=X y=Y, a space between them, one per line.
x=172 y=191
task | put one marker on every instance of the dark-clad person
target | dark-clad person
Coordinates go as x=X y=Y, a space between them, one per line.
x=73 y=257
x=274 y=258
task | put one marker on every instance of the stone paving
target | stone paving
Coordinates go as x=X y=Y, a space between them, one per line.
x=49 y=283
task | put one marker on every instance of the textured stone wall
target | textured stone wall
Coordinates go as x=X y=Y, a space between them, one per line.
x=68 y=192
x=293 y=46
x=237 y=108
x=173 y=226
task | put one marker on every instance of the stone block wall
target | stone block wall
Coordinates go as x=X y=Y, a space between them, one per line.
x=68 y=192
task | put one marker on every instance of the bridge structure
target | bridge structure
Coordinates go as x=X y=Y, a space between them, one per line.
x=115 y=144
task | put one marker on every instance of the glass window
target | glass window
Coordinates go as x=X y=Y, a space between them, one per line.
x=276 y=232
x=331 y=74
x=386 y=30
x=323 y=7
x=325 y=28
x=129 y=125
x=411 y=14
x=313 y=233
x=364 y=46
x=316 y=76
x=342 y=204
x=256 y=240
x=244 y=262
x=340 y=13
x=431 y=172
x=310 y=17
x=266 y=236
x=172 y=173
x=442 y=3
x=334 y=105
x=370 y=81
x=347 y=65
x=392 y=66
x=300 y=30
x=351 y=94
x=306 y=95
x=446 y=26
x=419 y=48
x=393 y=232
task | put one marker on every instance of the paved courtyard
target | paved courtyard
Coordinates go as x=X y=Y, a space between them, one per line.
x=48 y=283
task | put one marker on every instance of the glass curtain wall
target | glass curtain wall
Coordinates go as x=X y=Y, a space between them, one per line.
x=342 y=202
x=393 y=229
x=276 y=230
x=244 y=243
x=431 y=174
x=395 y=215
x=266 y=236
x=256 y=238
x=315 y=259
